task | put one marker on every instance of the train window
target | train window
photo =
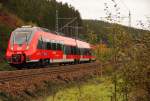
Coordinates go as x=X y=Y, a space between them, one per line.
x=84 y=51
x=68 y=50
x=72 y=50
x=39 y=46
x=78 y=51
x=81 y=51
x=59 y=47
x=64 y=49
x=49 y=46
x=75 y=50
x=90 y=52
x=44 y=45
x=54 y=46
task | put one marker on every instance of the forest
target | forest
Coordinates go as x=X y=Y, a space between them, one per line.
x=42 y=13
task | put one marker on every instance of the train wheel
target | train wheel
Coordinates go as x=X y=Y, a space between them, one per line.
x=44 y=62
x=90 y=61
x=76 y=61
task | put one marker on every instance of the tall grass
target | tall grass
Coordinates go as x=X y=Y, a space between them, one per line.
x=96 y=89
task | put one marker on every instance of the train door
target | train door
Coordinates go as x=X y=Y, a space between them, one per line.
x=64 y=52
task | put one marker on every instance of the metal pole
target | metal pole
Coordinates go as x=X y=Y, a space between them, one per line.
x=77 y=30
x=129 y=19
x=57 y=27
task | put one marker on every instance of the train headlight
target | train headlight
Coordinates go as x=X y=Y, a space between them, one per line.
x=27 y=48
x=12 y=48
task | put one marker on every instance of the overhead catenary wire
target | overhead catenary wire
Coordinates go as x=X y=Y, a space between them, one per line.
x=114 y=14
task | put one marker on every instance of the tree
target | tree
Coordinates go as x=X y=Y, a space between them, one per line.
x=131 y=58
x=43 y=12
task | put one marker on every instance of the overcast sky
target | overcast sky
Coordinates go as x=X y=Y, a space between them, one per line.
x=94 y=9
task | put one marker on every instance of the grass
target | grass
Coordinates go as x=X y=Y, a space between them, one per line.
x=97 y=89
x=5 y=97
x=87 y=89
x=4 y=66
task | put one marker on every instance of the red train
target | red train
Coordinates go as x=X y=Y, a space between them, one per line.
x=39 y=45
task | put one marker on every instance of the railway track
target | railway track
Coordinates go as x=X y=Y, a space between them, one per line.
x=20 y=74
x=17 y=81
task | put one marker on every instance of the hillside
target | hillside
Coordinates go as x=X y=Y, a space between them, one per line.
x=8 y=22
x=100 y=30
x=43 y=12
x=15 y=13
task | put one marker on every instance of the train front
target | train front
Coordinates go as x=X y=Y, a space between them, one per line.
x=19 y=46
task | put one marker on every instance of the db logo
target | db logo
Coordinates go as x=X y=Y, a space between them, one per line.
x=19 y=48
x=54 y=52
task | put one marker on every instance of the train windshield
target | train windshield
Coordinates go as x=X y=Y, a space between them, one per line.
x=21 y=37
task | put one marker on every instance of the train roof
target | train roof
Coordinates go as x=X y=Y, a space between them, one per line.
x=58 y=36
